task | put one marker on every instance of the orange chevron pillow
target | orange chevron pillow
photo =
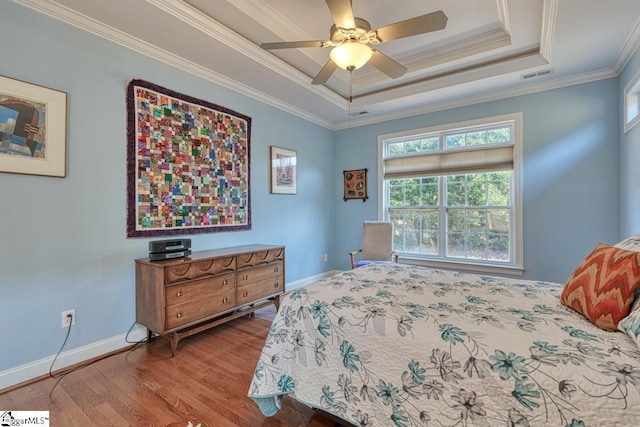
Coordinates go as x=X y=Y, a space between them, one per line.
x=602 y=287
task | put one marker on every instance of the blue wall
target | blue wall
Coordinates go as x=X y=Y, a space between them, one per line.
x=570 y=173
x=62 y=241
x=629 y=161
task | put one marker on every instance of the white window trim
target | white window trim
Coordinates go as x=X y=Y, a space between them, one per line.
x=517 y=268
x=632 y=99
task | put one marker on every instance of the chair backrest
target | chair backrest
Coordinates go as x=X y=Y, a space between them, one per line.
x=377 y=240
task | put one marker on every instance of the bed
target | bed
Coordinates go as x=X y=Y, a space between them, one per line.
x=400 y=345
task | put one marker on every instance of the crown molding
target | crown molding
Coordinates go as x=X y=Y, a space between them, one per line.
x=549 y=15
x=470 y=46
x=493 y=95
x=630 y=46
x=484 y=42
x=499 y=66
x=262 y=12
x=503 y=15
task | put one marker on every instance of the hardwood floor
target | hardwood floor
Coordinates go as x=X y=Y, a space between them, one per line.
x=207 y=381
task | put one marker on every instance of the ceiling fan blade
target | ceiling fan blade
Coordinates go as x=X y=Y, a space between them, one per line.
x=325 y=73
x=387 y=65
x=292 y=45
x=342 y=13
x=419 y=25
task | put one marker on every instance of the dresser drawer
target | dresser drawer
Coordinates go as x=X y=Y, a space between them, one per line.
x=274 y=269
x=259 y=257
x=254 y=291
x=193 y=291
x=209 y=304
x=198 y=269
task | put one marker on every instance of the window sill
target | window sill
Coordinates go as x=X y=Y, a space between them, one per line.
x=464 y=266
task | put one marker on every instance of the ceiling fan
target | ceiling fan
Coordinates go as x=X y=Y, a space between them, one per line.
x=351 y=37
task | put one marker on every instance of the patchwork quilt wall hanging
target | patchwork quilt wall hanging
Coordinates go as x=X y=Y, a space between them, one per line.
x=187 y=164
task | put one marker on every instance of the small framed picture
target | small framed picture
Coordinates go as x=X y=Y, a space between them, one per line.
x=283 y=171
x=33 y=129
x=355 y=184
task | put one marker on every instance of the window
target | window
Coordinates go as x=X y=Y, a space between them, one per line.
x=453 y=193
x=632 y=102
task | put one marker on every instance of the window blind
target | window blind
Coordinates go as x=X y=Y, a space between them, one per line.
x=481 y=159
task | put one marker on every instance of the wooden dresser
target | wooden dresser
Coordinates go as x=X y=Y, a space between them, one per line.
x=181 y=297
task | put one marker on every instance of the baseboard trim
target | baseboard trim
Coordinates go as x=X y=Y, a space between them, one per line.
x=309 y=280
x=25 y=374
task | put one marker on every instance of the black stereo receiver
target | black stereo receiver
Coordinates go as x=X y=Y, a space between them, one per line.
x=169 y=245
x=157 y=256
x=167 y=249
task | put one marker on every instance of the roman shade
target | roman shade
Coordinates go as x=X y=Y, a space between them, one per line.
x=480 y=159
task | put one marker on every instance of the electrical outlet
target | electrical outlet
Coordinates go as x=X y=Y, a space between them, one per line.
x=66 y=322
x=324 y=258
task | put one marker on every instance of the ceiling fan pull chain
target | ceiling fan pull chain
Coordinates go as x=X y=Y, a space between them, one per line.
x=350 y=100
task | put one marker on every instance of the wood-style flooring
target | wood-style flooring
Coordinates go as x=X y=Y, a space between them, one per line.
x=206 y=382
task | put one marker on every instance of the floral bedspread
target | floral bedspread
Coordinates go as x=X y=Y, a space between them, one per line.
x=398 y=345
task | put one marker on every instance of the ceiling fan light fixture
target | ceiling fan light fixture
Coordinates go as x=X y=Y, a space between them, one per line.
x=351 y=55
x=351 y=36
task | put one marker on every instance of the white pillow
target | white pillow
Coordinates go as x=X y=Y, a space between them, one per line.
x=631 y=244
x=631 y=324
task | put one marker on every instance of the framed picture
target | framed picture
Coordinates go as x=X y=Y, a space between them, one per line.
x=283 y=171
x=355 y=184
x=187 y=164
x=33 y=129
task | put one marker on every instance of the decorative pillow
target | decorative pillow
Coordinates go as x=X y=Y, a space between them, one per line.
x=631 y=244
x=602 y=287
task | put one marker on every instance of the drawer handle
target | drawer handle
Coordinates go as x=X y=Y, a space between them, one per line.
x=276 y=269
x=225 y=282
x=225 y=300
x=275 y=285
x=179 y=315
x=179 y=293
x=245 y=277
x=245 y=294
